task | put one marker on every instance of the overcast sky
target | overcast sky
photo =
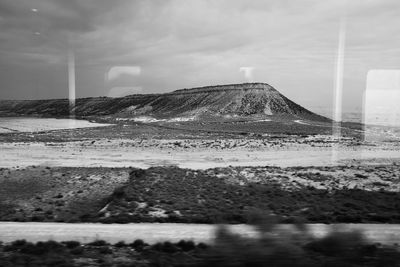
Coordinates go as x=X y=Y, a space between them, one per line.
x=139 y=46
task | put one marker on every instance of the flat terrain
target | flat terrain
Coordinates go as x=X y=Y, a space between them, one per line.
x=194 y=153
x=58 y=194
x=20 y=124
x=341 y=194
x=195 y=172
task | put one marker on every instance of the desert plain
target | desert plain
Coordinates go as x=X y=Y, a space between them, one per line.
x=90 y=173
x=126 y=165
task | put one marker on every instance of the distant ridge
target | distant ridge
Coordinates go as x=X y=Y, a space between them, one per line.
x=247 y=99
x=226 y=87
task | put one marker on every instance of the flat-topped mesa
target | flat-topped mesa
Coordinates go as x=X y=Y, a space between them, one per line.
x=237 y=100
x=225 y=87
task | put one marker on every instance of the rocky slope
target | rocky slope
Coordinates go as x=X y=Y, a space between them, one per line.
x=229 y=100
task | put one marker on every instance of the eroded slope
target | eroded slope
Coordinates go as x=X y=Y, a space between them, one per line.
x=234 y=100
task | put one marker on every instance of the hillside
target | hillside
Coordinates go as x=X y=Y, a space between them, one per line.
x=233 y=100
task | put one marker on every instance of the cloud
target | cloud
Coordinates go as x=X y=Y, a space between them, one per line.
x=49 y=15
x=177 y=44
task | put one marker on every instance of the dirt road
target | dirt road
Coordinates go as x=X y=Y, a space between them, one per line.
x=155 y=232
x=122 y=153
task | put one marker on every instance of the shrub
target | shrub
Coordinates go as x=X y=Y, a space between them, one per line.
x=71 y=244
x=202 y=245
x=168 y=247
x=37 y=218
x=15 y=245
x=137 y=173
x=19 y=243
x=105 y=250
x=120 y=244
x=186 y=245
x=77 y=251
x=337 y=243
x=295 y=247
x=119 y=192
x=41 y=248
x=98 y=243
x=138 y=245
x=157 y=247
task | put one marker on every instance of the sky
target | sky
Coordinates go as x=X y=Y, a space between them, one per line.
x=126 y=47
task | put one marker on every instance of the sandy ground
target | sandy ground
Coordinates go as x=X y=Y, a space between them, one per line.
x=195 y=154
x=8 y=125
x=152 y=233
x=134 y=153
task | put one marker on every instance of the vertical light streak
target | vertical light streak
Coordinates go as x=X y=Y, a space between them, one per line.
x=338 y=88
x=248 y=73
x=71 y=82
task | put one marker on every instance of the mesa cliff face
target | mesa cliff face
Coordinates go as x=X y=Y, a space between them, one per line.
x=235 y=99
